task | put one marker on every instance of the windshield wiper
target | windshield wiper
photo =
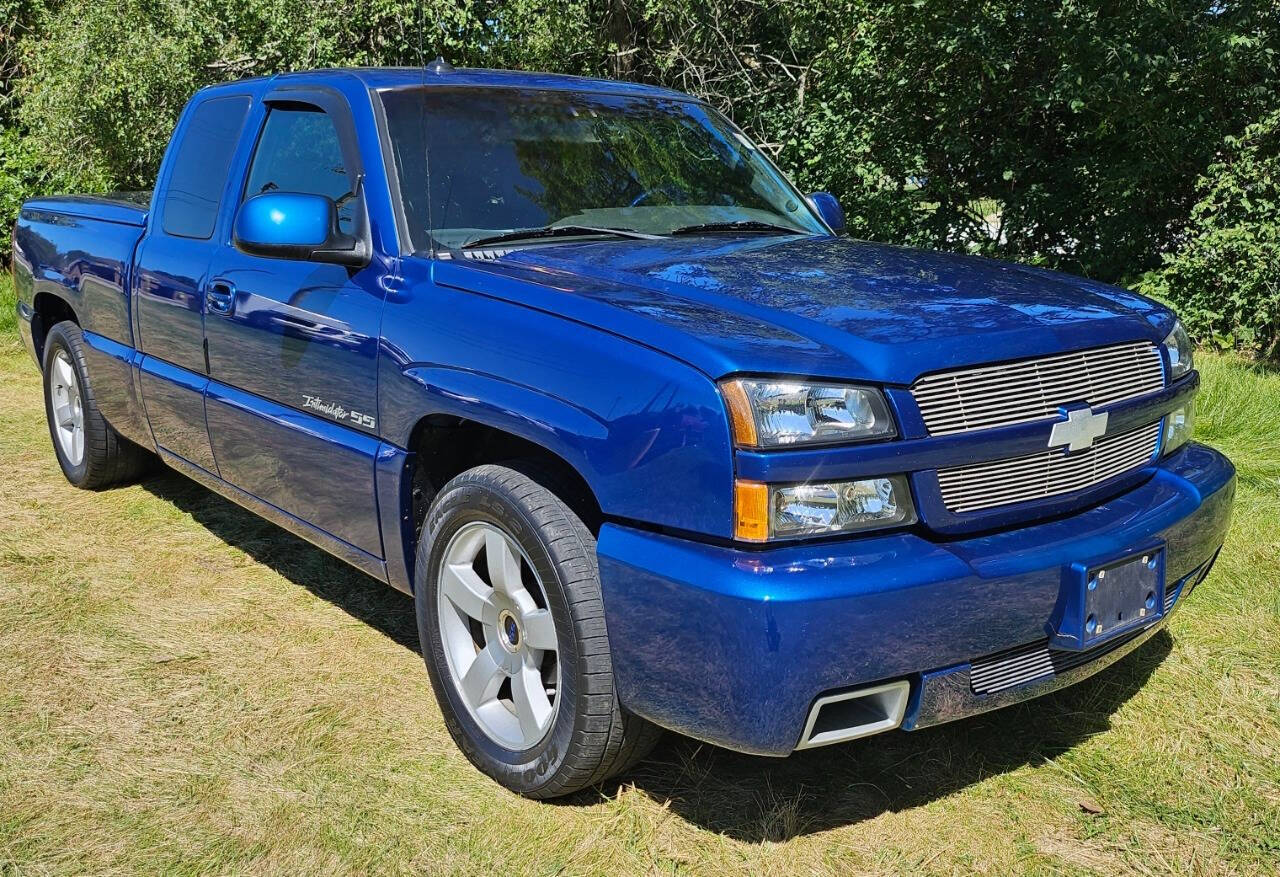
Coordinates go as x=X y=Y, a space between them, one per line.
x=739 y=225
x=552 y=231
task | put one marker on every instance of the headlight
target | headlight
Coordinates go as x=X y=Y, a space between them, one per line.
x=772 y=414
x=1178 y=426
x=1178 y=345
x=791 y=511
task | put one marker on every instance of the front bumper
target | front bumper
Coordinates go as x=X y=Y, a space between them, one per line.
x=733 y=646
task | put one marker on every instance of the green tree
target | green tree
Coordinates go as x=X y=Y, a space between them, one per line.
x=1225 y=279
x=20 y=165
x=1066 y=133
x=1069 y=134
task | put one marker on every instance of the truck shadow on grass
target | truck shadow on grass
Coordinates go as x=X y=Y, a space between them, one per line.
x=360 y=596
x=744 y=797
x=756 y=799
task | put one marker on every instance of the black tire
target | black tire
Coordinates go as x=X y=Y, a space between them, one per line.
x=108 y=458
x=590 y=737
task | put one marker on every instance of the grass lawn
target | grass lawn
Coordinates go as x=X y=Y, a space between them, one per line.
x=187 y=689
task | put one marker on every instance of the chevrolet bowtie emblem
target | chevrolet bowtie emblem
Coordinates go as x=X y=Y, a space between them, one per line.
x=1079 y=431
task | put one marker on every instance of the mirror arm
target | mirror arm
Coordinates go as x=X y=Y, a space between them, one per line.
x=353 y=250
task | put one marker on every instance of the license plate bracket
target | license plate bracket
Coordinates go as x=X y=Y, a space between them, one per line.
x=1105 y=600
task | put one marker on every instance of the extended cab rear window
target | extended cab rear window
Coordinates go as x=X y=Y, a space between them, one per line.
x=200 y=167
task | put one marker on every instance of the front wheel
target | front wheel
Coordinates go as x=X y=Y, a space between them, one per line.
x=513 y=632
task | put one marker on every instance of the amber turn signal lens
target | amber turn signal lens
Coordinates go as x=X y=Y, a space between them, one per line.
x=741 y=417
x=751 y=511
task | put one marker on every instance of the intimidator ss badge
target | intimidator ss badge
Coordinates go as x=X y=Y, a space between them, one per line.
x=338 y=412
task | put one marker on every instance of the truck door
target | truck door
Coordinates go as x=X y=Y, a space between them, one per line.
x=293 y=345
x=169 y=278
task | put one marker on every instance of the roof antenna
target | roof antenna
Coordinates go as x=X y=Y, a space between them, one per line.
x=422 y=117
x=440 y=65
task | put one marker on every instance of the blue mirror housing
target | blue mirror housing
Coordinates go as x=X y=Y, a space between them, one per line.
x=829 y=209
x=284 y=219
x=294 y=225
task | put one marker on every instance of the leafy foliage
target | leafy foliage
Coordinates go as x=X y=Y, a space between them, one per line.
x=1069 y=134
x=20 y=168
x=1066 y=133
x=1225 y=280
x=101 y=84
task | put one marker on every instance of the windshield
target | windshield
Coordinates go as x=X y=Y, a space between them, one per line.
x=475 y=163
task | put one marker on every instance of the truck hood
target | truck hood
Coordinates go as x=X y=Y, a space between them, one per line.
x=821 y=306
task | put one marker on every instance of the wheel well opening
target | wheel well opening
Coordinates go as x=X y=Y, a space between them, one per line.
x=447 y=446
x=49 y=311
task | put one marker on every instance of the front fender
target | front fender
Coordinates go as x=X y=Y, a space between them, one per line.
x=556 y=424
x=647 y=432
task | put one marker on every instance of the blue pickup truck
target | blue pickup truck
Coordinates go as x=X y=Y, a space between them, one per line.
x=651 y=443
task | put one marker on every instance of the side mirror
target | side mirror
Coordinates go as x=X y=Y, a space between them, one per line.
x=293 y=225
x=829 y=209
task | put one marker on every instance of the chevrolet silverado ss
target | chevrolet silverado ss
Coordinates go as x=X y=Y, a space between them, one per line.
x=650 y=441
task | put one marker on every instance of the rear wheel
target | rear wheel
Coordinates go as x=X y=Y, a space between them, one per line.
x=513 y=632
x=91 y=453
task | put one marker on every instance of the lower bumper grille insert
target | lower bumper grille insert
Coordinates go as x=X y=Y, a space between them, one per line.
x=1030 y=663
x=1033 y=662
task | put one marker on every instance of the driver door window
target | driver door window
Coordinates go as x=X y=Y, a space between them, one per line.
x=299 y=152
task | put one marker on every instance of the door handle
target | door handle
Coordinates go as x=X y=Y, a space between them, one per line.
x=220 y=297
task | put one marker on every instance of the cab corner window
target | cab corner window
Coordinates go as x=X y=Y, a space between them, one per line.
x=194 y=190
x=299 y=152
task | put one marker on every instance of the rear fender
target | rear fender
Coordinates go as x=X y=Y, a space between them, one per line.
x=65 y=251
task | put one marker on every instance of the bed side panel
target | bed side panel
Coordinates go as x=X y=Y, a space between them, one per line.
x=85 y=262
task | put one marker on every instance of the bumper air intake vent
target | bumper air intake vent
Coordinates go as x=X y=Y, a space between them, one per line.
x=849 y=715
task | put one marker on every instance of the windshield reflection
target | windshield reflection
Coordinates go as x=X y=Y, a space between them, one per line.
x=475 y=163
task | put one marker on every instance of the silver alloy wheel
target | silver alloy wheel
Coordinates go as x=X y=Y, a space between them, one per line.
x=498 y=635
x=68 y=409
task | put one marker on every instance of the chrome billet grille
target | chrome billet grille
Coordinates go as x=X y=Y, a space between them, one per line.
x=1032 y=663
x=1046 y=473
x=1032 y=389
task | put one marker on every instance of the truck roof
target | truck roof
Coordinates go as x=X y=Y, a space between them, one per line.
x=381 y=78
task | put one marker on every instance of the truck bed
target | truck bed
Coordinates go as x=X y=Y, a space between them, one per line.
x=124 y=208
x=73 y=254
x=79 y=248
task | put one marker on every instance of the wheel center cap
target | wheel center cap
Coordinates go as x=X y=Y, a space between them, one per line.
x=508 y=631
